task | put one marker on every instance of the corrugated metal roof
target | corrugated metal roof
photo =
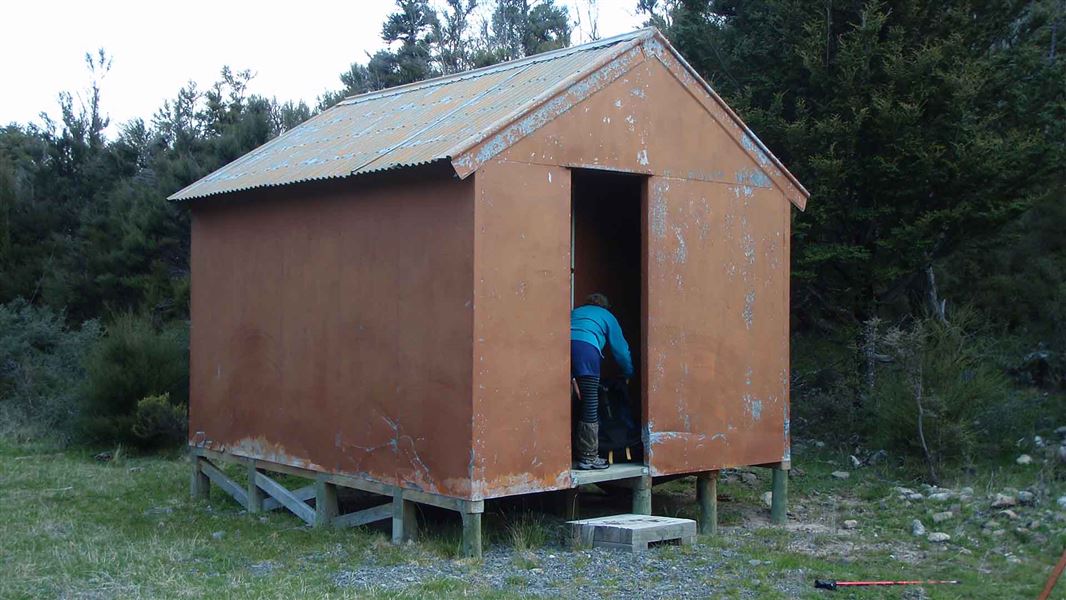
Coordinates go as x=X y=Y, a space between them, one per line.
x=409 y=125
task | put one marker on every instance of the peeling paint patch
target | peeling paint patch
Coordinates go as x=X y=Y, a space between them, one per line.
x=681 y=254
x=642 y=157
x=754 y=178
x=753 y=406
x=618 y=103
x=749 y=309
x=750 y=145
x=637 y=91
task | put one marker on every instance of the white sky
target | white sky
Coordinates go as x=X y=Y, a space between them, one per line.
x=297 y=49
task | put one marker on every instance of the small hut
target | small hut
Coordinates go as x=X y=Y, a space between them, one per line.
x=381 y=295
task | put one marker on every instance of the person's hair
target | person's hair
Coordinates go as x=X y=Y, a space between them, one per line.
x=598 y=299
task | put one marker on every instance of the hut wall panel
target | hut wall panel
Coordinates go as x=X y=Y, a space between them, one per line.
x=521 y=356
x=332 y=328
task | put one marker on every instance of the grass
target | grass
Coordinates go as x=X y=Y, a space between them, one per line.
x=76 y=527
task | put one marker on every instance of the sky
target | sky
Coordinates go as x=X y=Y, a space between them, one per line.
x=296 y=49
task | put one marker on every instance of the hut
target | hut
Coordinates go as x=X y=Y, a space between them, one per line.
x=381 y=295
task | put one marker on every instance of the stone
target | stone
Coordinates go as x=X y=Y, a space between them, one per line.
x=749 y=478
x=1061 y=431
x=940 y=496
x=631 y=533
x=1061 y=502
x=1010 y=514
x=966 y=491
x=990 y=524
x=1004 y=501
x=877 y=458
x=915 y=496
x=767 y=498
x=840 y=474
x=218 y=535
x=940 y=517
x=1026 y=497
x=938 y=538
x=999 y=533
x=754 y=562
x=819 y=444
x=1038 y=441
x=902 y=491
x=917 y=528
x=855 y=462
x=851 y=524
x=1024 y=459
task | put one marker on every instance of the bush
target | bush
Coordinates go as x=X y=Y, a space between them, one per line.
x=936 y=381
x=131 y=363
x=159 y=422
x=41 y=369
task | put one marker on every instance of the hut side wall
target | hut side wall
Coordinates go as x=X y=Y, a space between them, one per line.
x=521 y=353
x=716 y=266
x=332 y=328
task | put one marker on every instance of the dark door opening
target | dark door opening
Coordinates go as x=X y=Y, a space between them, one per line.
x=606 y=257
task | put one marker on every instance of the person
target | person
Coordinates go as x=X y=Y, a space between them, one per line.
x=592 y=327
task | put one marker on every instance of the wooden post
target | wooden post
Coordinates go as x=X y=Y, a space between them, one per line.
x=571 y=508
x=325 y=503
x=200 y=485
x=404 y=518
x=707 y=496
x=642 y=495
x=255 y=495
x=779 y=497
x=471 y=534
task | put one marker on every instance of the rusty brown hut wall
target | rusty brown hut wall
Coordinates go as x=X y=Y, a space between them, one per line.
x=331 y=327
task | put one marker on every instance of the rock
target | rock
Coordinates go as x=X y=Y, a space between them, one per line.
x=915 y=496
x=877 y=458
x=754 y=562
x=1024 y=459
x=1004 y=501
x=990 y=524
x=902 y=491
x=819 y=444
x=938 y=538
x=767 y=498
x=218 y=535
x=1061 y=431
x=855 y=462
x=966 y=491
x=1026 y=497
x=851 y=524
x=104 y=456
x=1061 y=502
x=840 y=474
x=1038 y=441
x=749 y=478
x=940 y=517
x=940 y=496
x=1010 y=514
x=999 y=533
x=917 y=528
x=796 y=472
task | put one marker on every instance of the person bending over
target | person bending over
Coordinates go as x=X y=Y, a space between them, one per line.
x=592 y=327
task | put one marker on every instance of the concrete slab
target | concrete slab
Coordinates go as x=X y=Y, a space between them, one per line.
x=630 y=532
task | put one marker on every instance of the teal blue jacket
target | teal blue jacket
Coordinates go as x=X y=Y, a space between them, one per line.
x=597 y=326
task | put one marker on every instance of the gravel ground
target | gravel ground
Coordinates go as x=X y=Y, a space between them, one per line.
x=663 y=572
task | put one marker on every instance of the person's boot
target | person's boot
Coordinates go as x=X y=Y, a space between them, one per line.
x=588 y=447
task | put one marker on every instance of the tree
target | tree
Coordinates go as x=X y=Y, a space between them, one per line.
x=917 y=127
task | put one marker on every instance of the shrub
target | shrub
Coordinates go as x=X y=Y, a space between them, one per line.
x=41 y=368
x=159 y=422
x=935 y=382
x=132 y=362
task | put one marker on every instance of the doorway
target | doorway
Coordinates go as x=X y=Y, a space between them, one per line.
x=607 y=250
